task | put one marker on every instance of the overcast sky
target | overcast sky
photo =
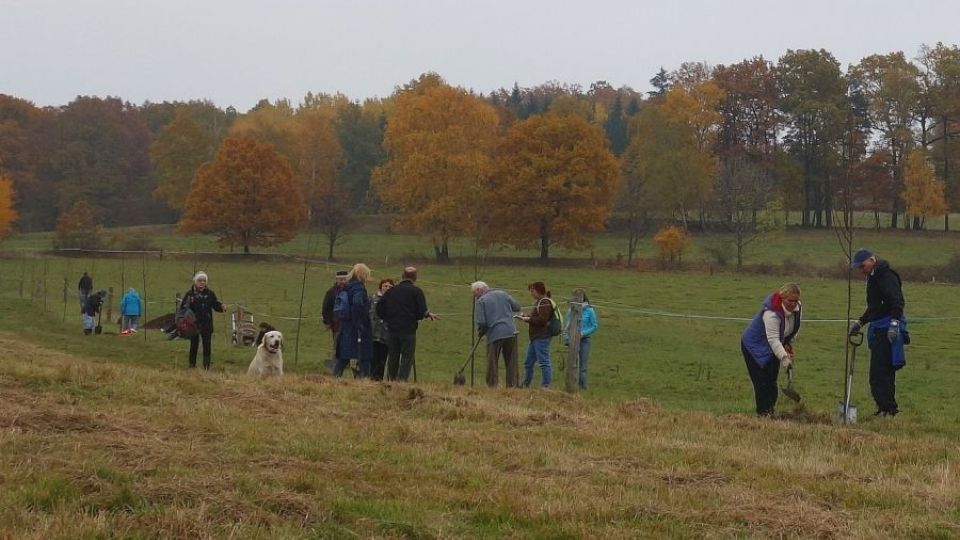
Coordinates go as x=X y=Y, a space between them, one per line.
x=235 y=52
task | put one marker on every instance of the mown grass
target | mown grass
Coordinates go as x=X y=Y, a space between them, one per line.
x=102 y=449
x=370 y=242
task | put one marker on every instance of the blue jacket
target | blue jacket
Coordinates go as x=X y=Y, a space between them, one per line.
x=131 y=304
x=355 y=338
x=588 y=323
x=878 y=330
x=754 y=338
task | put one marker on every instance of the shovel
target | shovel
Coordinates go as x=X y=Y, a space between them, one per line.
x=848 y=412
x=98 y=329
x=459 y=378
x=788 y=389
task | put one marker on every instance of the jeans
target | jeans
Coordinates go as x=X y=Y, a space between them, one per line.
x=538 y=351
x=130 y=322
x=584 y=360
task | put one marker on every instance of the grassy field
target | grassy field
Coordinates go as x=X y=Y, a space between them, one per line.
x=110 y=436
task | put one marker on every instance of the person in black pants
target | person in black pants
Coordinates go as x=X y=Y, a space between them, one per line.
x=887 y=333
x=203 y=302
x=401 y=308
x=381 y=336
x=766 y=343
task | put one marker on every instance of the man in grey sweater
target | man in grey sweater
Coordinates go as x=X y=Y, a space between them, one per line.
x=494 y=313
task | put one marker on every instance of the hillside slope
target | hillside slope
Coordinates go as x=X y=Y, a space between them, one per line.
x=99 y=449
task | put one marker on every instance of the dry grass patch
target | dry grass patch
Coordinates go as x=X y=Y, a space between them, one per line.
x=107 y=450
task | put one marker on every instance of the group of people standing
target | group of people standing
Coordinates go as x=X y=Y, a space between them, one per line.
x=379 y=331
x=496 y=313
x=767 y=342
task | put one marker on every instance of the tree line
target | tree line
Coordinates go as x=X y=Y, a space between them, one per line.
x=740 y=147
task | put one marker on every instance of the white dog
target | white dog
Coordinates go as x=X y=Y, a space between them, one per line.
x=269 y=358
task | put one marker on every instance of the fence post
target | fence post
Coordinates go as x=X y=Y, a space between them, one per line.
x=110 y=304
x=573 y=351
x=65 y=289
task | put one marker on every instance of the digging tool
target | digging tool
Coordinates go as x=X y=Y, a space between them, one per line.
x=98 y=329
x=848 y=412
x=788 y=390
x=459 y=378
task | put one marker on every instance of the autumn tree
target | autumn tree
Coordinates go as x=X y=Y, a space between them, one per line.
x=922 y=191
x=889 y=85
x=319 y=160
x=27 y=139
x=941 y=64
x=748 y=202
x=671 y=242
x=812 y=98
x=440 y=142
x=103 y=157
x=663 y=154
x=8 y=213
x=79 y=227
x=360 y=130
x=555 y=182
x=177 y=152
x=247 y=196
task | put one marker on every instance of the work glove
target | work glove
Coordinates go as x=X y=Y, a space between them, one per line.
x=481 y=331
x=893 y=331
x=855 y=327
x=786 y=362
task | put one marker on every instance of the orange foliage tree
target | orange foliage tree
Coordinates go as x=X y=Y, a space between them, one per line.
x=555 y=181
x=247 y=196
x=440 y=142
x=8 y=214
x=79 y=227
x=671 y=242
x=922 y=191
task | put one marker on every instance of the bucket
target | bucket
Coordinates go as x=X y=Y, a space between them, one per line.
x=851 y=414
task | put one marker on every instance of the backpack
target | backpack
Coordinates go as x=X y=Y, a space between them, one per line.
x=341 y=305
x=555 y=326
x=186 y=323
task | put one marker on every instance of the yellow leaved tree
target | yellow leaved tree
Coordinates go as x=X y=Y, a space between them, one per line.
x=8 y=214
x=440 y=142
x=922 y=190
x=247 y=196
x=555 y=181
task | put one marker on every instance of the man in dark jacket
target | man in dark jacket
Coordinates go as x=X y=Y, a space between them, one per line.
x=887 y=333
x=91 y=308
x=401 y=308
x=84 y=288
x=326 y=313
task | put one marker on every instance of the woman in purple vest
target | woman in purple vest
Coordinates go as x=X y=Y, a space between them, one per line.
x=766 y=343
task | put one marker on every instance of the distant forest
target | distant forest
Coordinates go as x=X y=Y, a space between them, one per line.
x=801 y=132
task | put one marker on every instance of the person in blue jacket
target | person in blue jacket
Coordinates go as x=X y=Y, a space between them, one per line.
x=888 y=328
x=588 y=326
x=131 y=309
x=355 y=338
x=767 y=343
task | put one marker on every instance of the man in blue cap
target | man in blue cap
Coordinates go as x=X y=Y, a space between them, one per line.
x=887 y=333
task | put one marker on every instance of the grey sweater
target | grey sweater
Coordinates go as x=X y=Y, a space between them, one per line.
x=494 y=313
